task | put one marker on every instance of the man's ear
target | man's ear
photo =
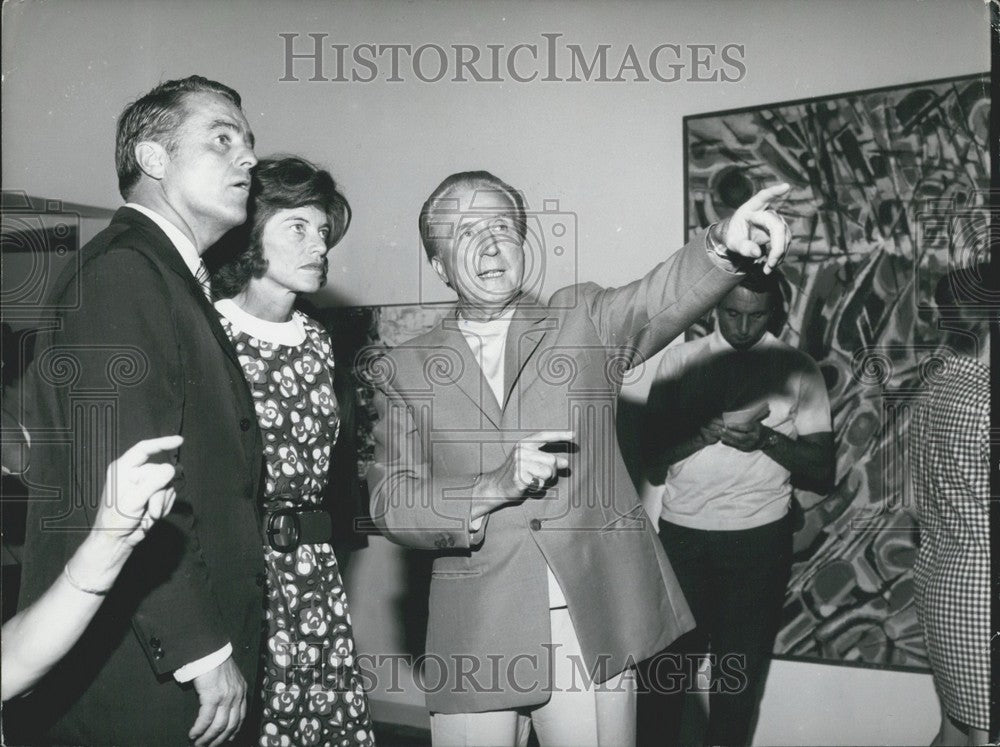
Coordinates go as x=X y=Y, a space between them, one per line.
x=439 y=268
x=152 y=158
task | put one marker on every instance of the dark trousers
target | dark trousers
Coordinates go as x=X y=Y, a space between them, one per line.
x=734 y=582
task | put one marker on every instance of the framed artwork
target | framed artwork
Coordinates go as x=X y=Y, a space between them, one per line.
x=889 y=192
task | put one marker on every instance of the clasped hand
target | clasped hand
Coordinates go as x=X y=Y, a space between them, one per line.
x=528 y=468
x=743 y=436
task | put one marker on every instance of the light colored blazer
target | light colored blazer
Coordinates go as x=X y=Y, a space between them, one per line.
x=440 y=427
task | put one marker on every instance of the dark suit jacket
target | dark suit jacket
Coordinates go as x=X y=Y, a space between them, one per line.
x=440 y=427
x=143 y=355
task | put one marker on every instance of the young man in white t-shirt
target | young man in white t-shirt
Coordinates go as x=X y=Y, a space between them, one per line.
x=733 y=417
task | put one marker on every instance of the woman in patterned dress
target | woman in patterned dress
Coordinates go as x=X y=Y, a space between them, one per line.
x=312 y=689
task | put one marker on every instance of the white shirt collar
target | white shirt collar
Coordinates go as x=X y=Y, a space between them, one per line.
x=291 y=333
x=491 y=327
x=181 y=243
x=717 y=343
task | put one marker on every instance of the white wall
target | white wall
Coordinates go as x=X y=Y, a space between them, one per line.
x=609 y=152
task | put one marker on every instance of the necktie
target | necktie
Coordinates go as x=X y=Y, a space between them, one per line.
x=204 y=279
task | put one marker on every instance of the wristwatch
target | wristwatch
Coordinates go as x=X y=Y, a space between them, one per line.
x=770 y=441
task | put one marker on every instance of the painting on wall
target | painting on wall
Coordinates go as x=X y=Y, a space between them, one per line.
x=889 y=191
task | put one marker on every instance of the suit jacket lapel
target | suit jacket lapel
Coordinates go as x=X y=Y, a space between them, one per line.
x=466 y=373
x=527 y=329
x=160 y=247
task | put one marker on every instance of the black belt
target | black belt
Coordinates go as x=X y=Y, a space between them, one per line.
x=287 y=528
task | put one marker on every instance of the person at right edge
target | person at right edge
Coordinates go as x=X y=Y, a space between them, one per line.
x=733 y=418
x=950 y=452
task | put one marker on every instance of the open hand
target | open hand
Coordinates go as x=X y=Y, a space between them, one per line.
x=222 y=698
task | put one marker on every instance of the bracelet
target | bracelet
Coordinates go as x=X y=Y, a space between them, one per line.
x=714 y=245
x=73 y=582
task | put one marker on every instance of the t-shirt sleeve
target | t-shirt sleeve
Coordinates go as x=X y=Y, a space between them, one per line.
x=812 y=415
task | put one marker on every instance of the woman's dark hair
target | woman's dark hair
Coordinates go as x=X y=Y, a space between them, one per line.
x=279 y=183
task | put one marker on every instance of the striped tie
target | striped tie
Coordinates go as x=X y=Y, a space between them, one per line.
x=204 y=280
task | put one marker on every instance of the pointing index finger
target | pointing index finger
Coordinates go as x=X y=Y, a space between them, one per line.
x=546 y=437
x=143 y=450
x=763 y=198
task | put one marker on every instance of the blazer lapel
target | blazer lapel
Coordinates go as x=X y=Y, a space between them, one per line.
x=160 y=247
x=465 y=372
x=523 y=338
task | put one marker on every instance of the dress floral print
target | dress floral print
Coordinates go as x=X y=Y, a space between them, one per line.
x=312 y=688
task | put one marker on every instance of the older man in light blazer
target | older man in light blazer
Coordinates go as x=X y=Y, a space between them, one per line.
x=496 y=449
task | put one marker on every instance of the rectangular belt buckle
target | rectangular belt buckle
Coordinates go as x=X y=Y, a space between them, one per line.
x=284 y=530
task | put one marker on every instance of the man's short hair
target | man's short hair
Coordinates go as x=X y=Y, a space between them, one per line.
x=771 y=284
x=157 y=116
x=278 y=183
x=438 y=202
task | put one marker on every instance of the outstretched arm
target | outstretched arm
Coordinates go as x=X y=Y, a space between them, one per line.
x=136 y=494
x=642 y=317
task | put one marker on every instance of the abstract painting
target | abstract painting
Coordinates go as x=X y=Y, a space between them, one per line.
x=889 y=191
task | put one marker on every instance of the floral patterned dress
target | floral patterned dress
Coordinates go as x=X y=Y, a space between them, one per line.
x=312 y=688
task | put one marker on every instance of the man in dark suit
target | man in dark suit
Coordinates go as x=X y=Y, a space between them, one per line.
x=496 y=447
x=142 y=355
